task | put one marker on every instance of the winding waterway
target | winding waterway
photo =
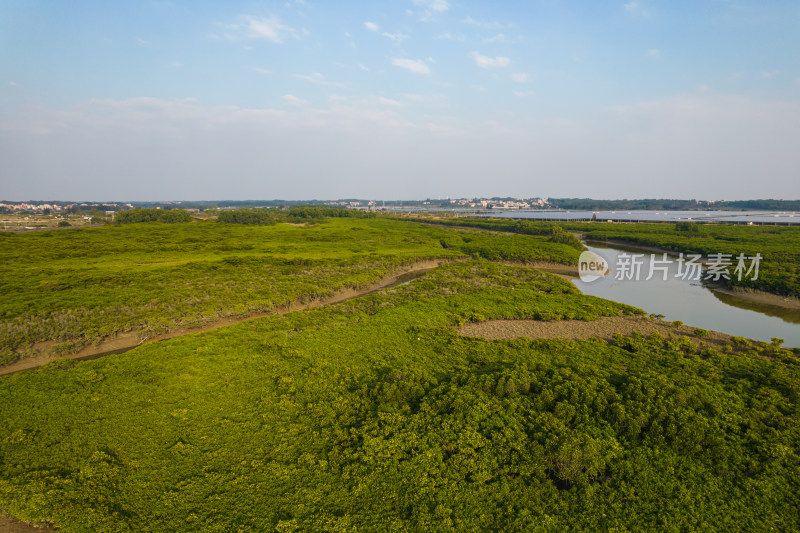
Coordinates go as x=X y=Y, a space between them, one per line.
x=690 y=301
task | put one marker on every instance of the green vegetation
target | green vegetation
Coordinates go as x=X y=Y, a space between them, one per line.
x=135 y=216
x=80 y=286
x=779 y=269
x=687 y=226
x=297 y=214
x=376 y=415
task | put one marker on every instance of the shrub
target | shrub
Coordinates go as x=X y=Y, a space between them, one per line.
x=693 y=227
x=134 y=216
x=740 y=341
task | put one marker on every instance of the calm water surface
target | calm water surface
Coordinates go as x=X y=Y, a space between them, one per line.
x=691 y=302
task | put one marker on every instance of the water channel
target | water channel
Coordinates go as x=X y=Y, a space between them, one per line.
x=690 y=301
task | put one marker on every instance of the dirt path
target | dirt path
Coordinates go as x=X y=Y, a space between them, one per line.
x=127 y=341
x=603 y=328
x=12 y=525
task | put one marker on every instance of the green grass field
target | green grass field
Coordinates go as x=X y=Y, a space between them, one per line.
x=79 y=287
x=376 y=415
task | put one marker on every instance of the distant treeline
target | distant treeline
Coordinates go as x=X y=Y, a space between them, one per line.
x=307 y=213
x=215 y=204
x=134 y=216
x=589 y=204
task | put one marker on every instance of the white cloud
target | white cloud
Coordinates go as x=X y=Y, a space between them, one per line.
x=389 y=102
x=460 y=37
x=371 y=26
x=519 y=77
x=141 y=42
x=770 y=74
x=432 y=100
x=438 y=6
x=291 y=99
x=488 y=24
x=490 y=62
x=397 y=37
x=499 y=38
x=269 y=28
x=362 y=67
x=318 y=79
x=261 y=70
x=654 y=53
x=635 y=8
x=416 y=66
x=523 y=94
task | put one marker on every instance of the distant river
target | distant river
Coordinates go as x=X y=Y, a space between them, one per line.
x=692 y=302
x=783 y=218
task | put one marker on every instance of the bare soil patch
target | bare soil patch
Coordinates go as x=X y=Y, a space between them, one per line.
x=12 y=525
x=602 y=328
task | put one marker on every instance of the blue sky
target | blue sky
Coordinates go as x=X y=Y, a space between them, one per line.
x=399 y=99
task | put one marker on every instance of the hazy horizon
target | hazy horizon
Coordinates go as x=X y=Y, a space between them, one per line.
x=411 y=99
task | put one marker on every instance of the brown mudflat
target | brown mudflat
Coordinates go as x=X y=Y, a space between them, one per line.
x=12 y=525
x=602 y=328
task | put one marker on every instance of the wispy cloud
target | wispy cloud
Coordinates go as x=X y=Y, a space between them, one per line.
x=397 y=37
x=490 y=62
x=318 y=79
x=433 y=100
x=290 y=99
x=499 y=38
x=654 y=53
x=262 y=70
x=430 y=9
x=634 y=7
x=769 y=74
x=141 y=42
x=519 y=77
x=523 y=94
x=489 y=24
x=371 y=26
x=434 y=5
x=416 y=66
x=270 y=29
x=460 y=37
x=389 y=102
